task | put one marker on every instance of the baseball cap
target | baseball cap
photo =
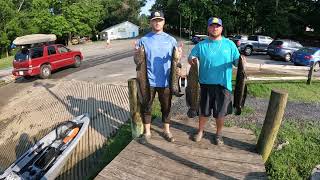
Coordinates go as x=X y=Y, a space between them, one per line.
x=157 y=15
x=214 y=20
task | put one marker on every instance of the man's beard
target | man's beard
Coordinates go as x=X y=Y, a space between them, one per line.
x=213 y=35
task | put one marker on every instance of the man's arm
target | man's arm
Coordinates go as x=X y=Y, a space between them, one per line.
x=236 y=55
x=194 y=55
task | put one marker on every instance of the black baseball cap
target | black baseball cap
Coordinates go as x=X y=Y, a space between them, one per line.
x=157 y=15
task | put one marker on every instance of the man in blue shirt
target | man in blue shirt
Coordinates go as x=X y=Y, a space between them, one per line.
x=215 y=56
x=158 y=48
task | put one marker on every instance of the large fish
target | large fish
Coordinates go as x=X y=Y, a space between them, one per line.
x=193 y=91
x=240 y=90
x=174 y=74
x=142 y=76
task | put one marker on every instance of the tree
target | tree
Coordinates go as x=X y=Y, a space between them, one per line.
x=6 y=13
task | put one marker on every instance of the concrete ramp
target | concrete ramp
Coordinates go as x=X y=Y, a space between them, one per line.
x=36 y=110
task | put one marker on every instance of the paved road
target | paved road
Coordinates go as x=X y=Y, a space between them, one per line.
x=108 y=64
x=95 y=54
x=55 y=98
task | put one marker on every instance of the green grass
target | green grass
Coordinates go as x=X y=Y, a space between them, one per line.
x=156 y=109
x=117 y=143
x=113 y=147
x=296 y=160
x=6 y=62
x=298 y=91
x=247 y=110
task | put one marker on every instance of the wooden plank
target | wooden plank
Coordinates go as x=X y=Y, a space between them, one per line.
x=218 y=158
x=185 y=159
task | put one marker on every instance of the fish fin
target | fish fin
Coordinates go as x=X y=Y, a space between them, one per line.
x=237 y=111
x=191 y=113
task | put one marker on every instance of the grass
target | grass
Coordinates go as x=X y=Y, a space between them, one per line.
x=118 y=142
x=6 y=62
x=113 y=147
x=298 y=90
x=296 y=160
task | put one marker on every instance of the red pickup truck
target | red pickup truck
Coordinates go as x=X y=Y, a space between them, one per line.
x=43 y=60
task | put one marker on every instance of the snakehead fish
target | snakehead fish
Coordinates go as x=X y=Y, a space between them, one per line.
x=174 y=74
x=142 y=76
x=193 y=91
x=240 y=91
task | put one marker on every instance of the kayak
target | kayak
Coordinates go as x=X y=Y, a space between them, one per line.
x=34 y=39
x=47 y=157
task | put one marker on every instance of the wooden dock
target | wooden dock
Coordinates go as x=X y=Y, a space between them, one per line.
x=185 y=159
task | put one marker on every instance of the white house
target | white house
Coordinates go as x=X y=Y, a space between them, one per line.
x=120 y=31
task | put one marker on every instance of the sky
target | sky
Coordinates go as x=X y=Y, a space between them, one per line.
x=145 y=9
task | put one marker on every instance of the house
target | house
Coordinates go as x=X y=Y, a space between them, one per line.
x=120 y=31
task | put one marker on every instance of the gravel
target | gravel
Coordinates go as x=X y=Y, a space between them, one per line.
x=295 y=111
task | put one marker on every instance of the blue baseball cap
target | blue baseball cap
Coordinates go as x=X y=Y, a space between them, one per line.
x=214 y=20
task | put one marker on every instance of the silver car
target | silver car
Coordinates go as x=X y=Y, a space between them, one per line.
x=283 y=49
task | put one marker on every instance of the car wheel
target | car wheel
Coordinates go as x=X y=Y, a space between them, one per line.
x=287 y=57
x=77 y=61
x=45 y=71
x=248 y=51
x=316 y=67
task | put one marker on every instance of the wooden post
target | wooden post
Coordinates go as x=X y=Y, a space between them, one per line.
x=310 y=73
x=272 y=122
x=136 y=119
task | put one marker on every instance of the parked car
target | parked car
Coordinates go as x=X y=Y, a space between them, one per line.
x=255 y=43
x=307 y=55
x=42 y=60
x=237 y=39
x=283 y=49
x=198 y=37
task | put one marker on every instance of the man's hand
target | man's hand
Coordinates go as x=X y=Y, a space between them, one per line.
x=136 y=47
x=193 y=61
x=179 y=48
x=244 y=60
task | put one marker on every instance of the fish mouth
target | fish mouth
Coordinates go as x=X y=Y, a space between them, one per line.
x=192 y=113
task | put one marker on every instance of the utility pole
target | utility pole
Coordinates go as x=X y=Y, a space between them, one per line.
x=190 y=27
x=180 y=23
x=20 y=5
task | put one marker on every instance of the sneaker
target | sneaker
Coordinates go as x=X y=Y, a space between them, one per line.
x=145 y=138
x=219 y=140
x=168 y=137
x=198 y=136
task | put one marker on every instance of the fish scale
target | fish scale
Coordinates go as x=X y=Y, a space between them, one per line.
x=240 y=90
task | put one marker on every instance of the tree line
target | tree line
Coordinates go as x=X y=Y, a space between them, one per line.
x=276 y=18
x=67 y=18
x=64 y=18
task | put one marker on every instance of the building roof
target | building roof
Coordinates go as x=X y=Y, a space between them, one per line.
x=114 y=26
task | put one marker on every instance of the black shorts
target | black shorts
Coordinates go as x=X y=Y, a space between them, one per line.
x=215 y=100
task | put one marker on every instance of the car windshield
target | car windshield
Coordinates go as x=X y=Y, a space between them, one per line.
x=241 y=37
x=277 y=43
x=308 y=50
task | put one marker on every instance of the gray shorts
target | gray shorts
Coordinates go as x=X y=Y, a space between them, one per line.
x=215 y=100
